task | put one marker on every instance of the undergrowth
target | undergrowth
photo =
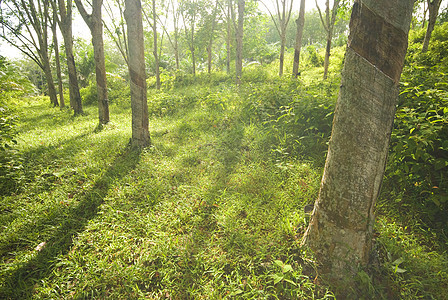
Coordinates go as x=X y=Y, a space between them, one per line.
x=205 y=212
x=212 y=209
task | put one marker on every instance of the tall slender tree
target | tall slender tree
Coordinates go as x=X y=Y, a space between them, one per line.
x=283 y=14
x=173 y=37
x=229 y=13
x=433 y=7
x=57 y=59
x=300 y=22
x=65 y=24
x=239 y=34
x=340 y=232
x=154 y=32
x=328 y=24
x=190 y=14
x=117 y=30
x=153 y=24
x=213 y=19
x=94 y=21
x=25 y=27
x=139 y=103
x=228 y=36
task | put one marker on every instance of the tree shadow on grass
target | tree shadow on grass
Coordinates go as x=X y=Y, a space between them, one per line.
x=20 y=282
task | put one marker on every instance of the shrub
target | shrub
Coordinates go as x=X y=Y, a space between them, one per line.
x=297 y=119
x=418 y=163
x=13 y=85
x=118 y=91
x=313 y=58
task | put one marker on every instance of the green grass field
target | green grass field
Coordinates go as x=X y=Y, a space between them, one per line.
x=212 y=210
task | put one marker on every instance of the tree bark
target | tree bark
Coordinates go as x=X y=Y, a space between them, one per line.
x=282 y=54
x=176 y=47
x=328 y=24
x=425 y=11
x=25 y=27
x=95 y=23
x=156 y=56
x=65 y=24
x=139 y=104
x=210 y=41
x=118 y=32
x=192 y=50
x=298 y=46
x=58 y=61
x=190 y=36
x=228 y=37
x=49 y=77
x=341 y=226
x=42 y=34
x=176 y=34
x=327 y=53
x=433 y=7
x=283 y=16
x=239 y=42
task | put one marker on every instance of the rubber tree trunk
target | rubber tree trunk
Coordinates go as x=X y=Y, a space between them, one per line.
x=210 y=41
x=327 y=53
x=66 y=30
x=139 y=104
x=239 y=42
x=176 y=49
x=192 y=50
x=433 y=7
x=228 y=37
x=40 y=22
x=49 y=78
x=58 y=62
x=341 y=225
x=282 y=52
x=95 y=24
x=328 y=24
x=300 y=22
x=100 y=64
x=156 y=56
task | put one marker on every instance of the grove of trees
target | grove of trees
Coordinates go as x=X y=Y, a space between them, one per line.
x=226 y=102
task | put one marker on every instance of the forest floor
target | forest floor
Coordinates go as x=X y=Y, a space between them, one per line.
x=209 y=211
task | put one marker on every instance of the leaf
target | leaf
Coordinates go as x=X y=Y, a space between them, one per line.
x=287 y=268
x=237 y=292
x=277 y=278
x=440 y=164
x=399 y=270
x=291 y=282
x=398 y=261
x=279 y=263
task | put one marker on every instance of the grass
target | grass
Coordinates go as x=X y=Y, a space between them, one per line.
x=212 y=210
x=203 y=213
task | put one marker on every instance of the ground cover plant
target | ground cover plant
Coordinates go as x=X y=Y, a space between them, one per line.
x=215 y=207
x=204 y=212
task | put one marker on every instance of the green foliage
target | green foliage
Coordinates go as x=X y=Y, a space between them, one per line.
x=253 y=73
x=118 y=91
x=214 y=208
x=313 y=58
x=313 y=32
x=85 y=62
x=13 y=85
x=195 y=215
x=412 y=267
x=418 y=163
x=297 y=119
